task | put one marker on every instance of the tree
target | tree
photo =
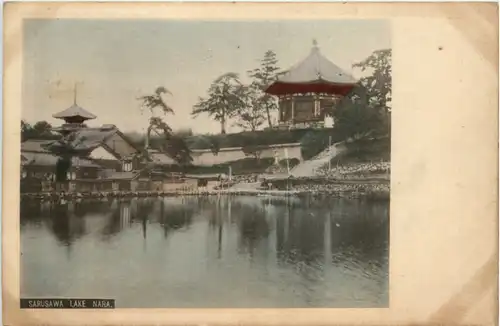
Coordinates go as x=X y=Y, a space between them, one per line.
x=379 y=82
x=262 y=77
x=156 y=100
x=366 y=110
x=224 y=99
x=151 y=102
x=355 y=118
x=25 y=130
x=251 y=114
x=66 y=148
x=40 y=130
x=175 y=146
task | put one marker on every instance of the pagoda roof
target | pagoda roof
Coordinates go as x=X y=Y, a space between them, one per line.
x=314 y=74
x=74 y=111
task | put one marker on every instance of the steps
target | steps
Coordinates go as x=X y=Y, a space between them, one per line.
x=308 y=168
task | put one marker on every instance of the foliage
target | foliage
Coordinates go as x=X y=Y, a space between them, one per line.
x=173 y=145
x=365 y=112
x=65 y=149
x=262 y=77
x=355 y=118
x=251 y=114
x=379 y=83
x=40 y=130
x=177 y=148
x=224 y=99
x=150 y=102
x=365 y=151
x=315 y=141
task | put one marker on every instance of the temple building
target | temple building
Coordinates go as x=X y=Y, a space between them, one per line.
x=309 y=91
x=106 y=144
x=102 y=159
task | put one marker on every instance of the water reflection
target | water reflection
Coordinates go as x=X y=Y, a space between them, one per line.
x=274 y=252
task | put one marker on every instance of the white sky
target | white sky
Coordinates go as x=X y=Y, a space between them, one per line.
x=117 y=61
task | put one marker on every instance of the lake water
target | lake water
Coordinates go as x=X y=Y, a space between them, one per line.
x=227 y=252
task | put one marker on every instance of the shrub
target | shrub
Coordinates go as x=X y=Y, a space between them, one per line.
x=364 y=151
x=317 y=140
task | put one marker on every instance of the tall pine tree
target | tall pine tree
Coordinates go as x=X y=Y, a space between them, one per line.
x=261 y=78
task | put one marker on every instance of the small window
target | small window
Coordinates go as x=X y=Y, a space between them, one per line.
x=127 y=166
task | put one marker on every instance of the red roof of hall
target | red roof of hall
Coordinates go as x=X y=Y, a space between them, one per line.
x=314 y=74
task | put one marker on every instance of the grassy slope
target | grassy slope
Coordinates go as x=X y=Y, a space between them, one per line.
x=365 y=152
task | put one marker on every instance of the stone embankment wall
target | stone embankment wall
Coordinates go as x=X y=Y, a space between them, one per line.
x=205 y=157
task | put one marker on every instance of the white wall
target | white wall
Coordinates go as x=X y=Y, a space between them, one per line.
x=101 y=154
x=206 y=157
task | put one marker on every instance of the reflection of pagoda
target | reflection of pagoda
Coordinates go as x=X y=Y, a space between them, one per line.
x=310 y=90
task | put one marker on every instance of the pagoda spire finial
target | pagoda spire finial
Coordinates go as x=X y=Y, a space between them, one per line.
x=315 y=43
x=74 y=93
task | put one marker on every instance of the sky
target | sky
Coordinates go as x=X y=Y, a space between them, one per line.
x=115 y=62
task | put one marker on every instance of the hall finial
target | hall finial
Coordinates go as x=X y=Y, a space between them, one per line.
x=315 y=43
x=74 y=94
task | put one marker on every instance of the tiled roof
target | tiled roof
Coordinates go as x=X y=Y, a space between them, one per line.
x=74 y=111
x=86 y=139
x=47 y=159
x=82 y=141
x=91 y=137
x=35 y=145
x=316 y=67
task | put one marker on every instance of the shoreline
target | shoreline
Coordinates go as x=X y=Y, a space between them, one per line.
x=368 y=192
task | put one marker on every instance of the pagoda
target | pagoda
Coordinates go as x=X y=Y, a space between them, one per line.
x=309 y=91
x=74 y=118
